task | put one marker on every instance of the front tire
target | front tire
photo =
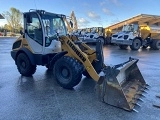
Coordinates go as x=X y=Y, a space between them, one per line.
x=24 y=65
x=68 y=72
x=136 y=44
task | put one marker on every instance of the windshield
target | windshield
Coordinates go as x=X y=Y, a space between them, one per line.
x=53 y=24
x=128 y=28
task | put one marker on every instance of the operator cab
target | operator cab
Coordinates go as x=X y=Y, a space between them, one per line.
x=41 y=30
x=130 y=28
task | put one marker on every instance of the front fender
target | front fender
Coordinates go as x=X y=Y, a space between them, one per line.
x=56 y=57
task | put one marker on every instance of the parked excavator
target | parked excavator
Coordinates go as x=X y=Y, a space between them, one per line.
x=93 y=34
x=44 y=41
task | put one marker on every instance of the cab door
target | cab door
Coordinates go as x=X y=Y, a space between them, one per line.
x=34 y=32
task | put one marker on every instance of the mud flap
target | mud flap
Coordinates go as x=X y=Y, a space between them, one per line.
x=122 y=85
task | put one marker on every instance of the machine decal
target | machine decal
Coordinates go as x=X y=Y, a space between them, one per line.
x=76 y=51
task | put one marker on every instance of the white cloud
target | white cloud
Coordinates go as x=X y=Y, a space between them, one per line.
x=93 y=15
x=116 y=2
x=108 y=2
x=86 y=4
x=114 y=21
x=103 y=3
x=3 y=22
x=108 y=12
x=82 y=22
x=95 y=19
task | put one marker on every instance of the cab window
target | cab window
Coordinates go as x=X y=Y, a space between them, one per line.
x=34 y=28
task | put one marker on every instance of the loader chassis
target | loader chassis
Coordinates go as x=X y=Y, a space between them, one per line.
x=69 y=59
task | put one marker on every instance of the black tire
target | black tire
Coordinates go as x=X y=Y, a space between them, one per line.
x=155 y=44
x=123 y=47
x=136 y=44
x=68 y=72
x=24 y=65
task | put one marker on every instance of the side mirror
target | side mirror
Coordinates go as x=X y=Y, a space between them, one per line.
x=29 y=19
x=21 y=32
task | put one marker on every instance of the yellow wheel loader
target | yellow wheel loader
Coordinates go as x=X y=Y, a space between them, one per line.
x=45 y=42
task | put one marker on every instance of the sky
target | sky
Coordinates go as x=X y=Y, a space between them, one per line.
x=89 y=13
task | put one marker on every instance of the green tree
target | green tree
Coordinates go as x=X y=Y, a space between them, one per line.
x=7 y=27
x=14 y=19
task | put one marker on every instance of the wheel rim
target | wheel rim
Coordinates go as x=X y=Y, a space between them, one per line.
x=65 y=72
x=23 y=64
x=64 y=75
x=137 y=44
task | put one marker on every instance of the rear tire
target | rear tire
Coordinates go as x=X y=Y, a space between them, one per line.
x=155 y=44
x=68 y=72
x=123 y=47
x=136 y=44
x=24 y=65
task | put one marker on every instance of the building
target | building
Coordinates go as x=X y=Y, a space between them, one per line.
x=139 y=19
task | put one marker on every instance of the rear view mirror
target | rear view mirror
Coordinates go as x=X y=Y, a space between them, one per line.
x=21 y=32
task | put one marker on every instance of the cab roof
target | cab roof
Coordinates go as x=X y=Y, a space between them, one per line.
x=43 y=11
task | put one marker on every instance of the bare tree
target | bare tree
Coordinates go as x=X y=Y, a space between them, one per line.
x=14 y=19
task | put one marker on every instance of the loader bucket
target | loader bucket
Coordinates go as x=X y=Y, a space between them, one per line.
x=122 y=86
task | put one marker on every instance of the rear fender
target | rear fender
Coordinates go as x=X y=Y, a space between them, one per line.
x=28 y=53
